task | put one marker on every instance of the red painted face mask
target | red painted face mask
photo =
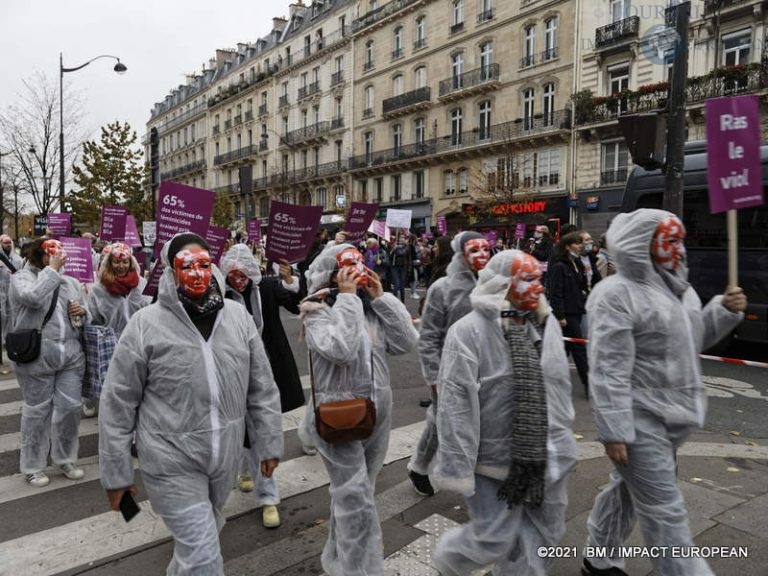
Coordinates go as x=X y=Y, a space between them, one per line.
x=477 y=252
x=193 y=271
x=237 y=280
x=525 y=289
x=667 y=247
x=52 y=247
x=352 y=257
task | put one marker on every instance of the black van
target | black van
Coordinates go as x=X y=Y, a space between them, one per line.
x=706 y=239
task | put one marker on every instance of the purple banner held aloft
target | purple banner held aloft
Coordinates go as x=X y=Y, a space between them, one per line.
x=132 y=237
x=520 y=230
x=358 y=220
x=182 y=209
x=60 y=224
x=154 y=278
x=442 y=226
x=113 y=223
x=216 y=238
x=491 y=237
x=292 y=230
x=254 y=231
x=79 y=259
x=733 y=153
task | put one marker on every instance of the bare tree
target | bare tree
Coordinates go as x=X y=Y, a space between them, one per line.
x=29 y=129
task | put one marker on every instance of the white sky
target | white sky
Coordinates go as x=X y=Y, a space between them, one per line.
x=158 y=40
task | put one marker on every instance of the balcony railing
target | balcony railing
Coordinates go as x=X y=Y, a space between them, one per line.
x=470 y=79
x=311 y=132
x=498 y=134
x=398 y=53
x=337 y=77
x=216 y=129
x=183 y=117
x=485 y=16
x=614 y=176
x=263 y=110
x=337 y=123
x=617 y=32
x=263 y=145
x=549 y=54
x=420 y=43
x=711 y=6
x=367 y=65
x=196 y=166
x=234 y=155
x=227 y=124
x=458 y=27
x=249 y=115
x=238 y=119
x=370 y=18
x=406 y=100
x=528 y=60
x=283 y=100
x=367 y=112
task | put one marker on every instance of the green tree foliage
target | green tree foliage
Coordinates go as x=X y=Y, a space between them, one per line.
x=222 y=211
x=112 y=173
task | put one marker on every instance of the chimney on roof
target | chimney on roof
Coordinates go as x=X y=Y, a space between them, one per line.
x=279 y=22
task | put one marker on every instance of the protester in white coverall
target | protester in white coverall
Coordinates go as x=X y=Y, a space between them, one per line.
x=447 y=301
x=51 y=384
x=6 y=271
x=504 y=422
x=347 y=328
x=188 y=375
x=646 y=330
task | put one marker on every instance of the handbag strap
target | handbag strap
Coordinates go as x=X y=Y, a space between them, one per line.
x=50 y=308
x=312 y=379
x=8 y=264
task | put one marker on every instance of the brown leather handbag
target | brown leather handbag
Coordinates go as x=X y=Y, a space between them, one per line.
x=343 y=420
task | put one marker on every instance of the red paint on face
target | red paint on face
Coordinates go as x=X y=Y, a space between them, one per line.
x=667 y=246
x=52 y=247
x=525 y=289
x=193 y=271
x=237 y=280
x=352 y=257
x=477 y=252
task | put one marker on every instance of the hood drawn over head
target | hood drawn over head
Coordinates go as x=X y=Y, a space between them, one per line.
x=319 y=273
x=240 y=258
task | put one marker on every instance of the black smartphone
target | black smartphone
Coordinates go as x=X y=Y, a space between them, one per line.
x=128 y=506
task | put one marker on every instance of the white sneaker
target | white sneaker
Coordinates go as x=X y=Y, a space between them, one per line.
x=309 y=450
x=89 y=408
x=72 y=472
x=415 y=297
x=37 y=479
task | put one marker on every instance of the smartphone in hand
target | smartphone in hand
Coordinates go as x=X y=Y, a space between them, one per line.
x=128 y=506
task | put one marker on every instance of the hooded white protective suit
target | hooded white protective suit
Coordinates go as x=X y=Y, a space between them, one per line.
x=647 y=391
x=114 y=311
x=188 y=399
x=343 y=340
x=474 y=424
x=447 y=301
x=5 y=283
x=51 y=385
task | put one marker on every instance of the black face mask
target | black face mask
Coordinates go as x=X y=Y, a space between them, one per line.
x=6 y=250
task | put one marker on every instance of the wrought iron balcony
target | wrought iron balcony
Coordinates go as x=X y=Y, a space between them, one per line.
x=308 y=133
x=614 y=176
x=471 y=79
x=197 y=166
x=485 y=16
x=458 y=27
x=367 y=112
x=420 y=43
x=398 y=53
x=263 y=145
x=377 y=15
x=337 y=123
x=337 y=77
x=263 y=110
x=228 y=124
x=283 y=100
x=404 y=102
x=216 y=129
x=711 y=6
x=238 y=119
x=528 y=60
x=183 y=117
x=617 y=32
x=367 y=65
x=260 y=183
x=547 y=55
x=234 y=155
x=248 y=115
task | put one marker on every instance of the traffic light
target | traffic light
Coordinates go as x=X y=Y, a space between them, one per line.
x=645 y=135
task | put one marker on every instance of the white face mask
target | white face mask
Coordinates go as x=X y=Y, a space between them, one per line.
x=537 y=234
x=574 y=254
x=588 y=248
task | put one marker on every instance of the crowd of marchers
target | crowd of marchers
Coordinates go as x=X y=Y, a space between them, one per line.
x=189 y=386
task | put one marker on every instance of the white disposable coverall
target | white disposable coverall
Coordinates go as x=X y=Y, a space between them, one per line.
x=646 y=391
x=50 y=385
x=475 y=435
x=5 y=284
x=114 y=311
x=188 y=400
x=343 y=340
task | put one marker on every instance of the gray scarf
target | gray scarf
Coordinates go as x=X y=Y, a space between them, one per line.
x=525 y=481
x=676 y=281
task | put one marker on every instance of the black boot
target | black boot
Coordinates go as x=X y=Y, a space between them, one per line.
x=588 y=570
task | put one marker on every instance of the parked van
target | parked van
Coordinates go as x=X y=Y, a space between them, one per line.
x=706 y=239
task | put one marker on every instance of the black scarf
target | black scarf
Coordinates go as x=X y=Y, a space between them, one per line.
x=209 y=305
x=525 y=482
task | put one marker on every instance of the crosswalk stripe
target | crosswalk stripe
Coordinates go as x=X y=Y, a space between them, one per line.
x=100 y=536
x=10 y=384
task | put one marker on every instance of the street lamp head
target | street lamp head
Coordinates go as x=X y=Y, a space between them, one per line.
x=120 y=68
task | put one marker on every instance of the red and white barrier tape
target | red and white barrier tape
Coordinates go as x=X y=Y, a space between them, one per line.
x=704 y=356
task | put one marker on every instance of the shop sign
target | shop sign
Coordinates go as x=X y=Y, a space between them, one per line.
x=593 y=202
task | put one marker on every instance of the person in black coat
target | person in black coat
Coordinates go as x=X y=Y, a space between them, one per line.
x=567 y=286
x=263 y=298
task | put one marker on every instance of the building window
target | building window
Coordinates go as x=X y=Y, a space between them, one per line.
x=463 y=177
x=264 y=206
x=379 y=183
x=548 y=104
x=397 y=138
x=458 y=16
x=368 y=146
x=368 y=98
x=421 y=32
x=457 y=70
x=396 y=182
x=615 y=160
x=419 y=130
x=528 y=108
x=619 y=10
x=420 y=77
x=397 y=43
x=450 y=182
x=322 y=197
x=368 y=60
x=736 y=49
x=529 y=46
x=456 y=126
x=486 y=11
x=484 y=130
x=550 y=39
x=486 y=59
x=418 y=184
x=548 y=164
x=397 y=85
x=618 y=82
x=338 y=144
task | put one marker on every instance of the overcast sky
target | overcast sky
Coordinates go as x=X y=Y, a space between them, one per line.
x=160 y=41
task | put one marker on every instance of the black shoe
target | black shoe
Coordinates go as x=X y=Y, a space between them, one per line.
x=421 y=483
x=425 y=403
x=588 y=570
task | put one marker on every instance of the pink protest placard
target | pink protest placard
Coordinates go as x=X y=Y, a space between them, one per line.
x=520 y=230
x=216 y=238
x=442 y=226
x=733 y=153
x=358 y=221
x=132 y=237
x=79 y=260
x=60 y=224
x=113 y=223
x=254 y=230
x=182 y=208
x=378 y=227
x=292 y=230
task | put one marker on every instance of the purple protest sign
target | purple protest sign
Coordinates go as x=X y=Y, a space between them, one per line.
x=733 y=153
x=154 y=278
x=254 y=230
x=113 y=223
x=216 y=238
x=132 y=237
x=292 y=230
x=79 y=259
x=358 y=220
x=442 y=226
x=60 y=224
x=182 y=209
x=520 y=230
x=491 y=236
x=378 y=227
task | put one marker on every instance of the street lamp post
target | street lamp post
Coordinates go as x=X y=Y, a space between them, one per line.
x=120 y=68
